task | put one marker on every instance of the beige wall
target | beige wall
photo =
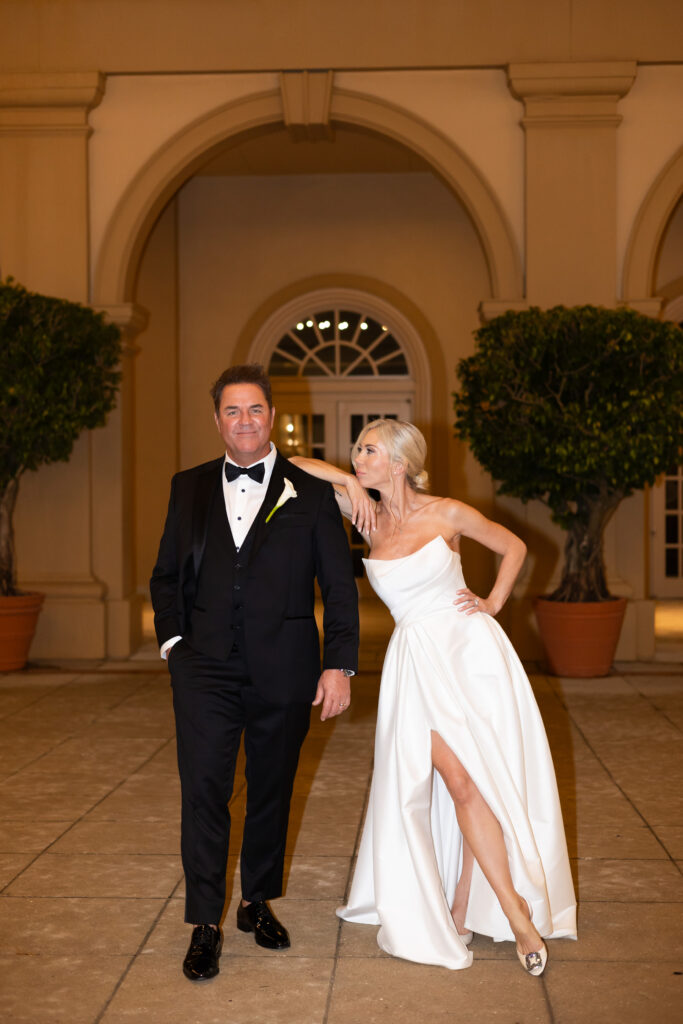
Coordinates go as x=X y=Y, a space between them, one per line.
x=157 y=392
x=670 y=258
x=555 y=132
x=205 y=35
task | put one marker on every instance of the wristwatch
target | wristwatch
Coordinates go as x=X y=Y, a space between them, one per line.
x=346 y=671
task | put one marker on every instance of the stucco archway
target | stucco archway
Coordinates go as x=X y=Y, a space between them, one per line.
x=177 y=160
x=648 y=230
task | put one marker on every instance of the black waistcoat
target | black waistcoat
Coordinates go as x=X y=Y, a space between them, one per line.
x=217 y=618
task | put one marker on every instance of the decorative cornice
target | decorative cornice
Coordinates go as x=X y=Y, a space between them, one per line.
x=572 y=94
x=306 y=99
x=49 y=103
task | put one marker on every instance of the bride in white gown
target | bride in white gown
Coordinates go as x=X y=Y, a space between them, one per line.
x=463 y=831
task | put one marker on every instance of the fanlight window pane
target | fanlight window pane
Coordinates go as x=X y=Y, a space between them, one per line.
x=347 y=324
x=291 y=347
x=386 y=347
x=391 y=367
x=338 y=343
x=363 y=368
x=311 y=368
x=281 y=366
x=348 y=356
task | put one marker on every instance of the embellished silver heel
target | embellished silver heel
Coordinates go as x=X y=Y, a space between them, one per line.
x=534 y=963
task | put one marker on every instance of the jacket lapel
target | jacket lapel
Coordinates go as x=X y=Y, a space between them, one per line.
x=277 y=482
x=208 y=485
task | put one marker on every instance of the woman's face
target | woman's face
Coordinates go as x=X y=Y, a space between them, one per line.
x=371 y=461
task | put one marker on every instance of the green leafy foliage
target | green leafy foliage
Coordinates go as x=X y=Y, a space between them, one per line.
x=58 y=377
x=576 y=407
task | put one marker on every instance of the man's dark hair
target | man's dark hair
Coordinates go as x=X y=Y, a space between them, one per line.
x=247 y=373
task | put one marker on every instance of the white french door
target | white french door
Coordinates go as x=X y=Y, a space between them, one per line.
x=666 y=534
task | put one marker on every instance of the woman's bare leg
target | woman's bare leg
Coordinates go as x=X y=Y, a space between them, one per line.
x=462 y=889
x=484 y=836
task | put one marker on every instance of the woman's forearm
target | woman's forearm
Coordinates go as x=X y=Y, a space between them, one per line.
x=354 y=501
x=323 y=470
x=508 y=571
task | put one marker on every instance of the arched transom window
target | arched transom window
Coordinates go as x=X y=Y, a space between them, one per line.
x=338 y=343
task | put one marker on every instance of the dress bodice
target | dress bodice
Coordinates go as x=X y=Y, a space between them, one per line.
x=420 y=584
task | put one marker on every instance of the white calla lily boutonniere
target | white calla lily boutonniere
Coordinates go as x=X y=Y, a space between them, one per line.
x=287 y=493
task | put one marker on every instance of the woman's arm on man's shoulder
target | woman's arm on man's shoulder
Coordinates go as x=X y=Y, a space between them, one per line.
x=354 y=501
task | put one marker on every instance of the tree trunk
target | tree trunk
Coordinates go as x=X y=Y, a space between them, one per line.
x=583 y=574
x=8 y=500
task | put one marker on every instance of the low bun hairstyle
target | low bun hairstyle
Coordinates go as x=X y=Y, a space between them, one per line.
x=405 y=444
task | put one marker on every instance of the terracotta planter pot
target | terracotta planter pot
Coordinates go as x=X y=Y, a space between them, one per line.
x=580 y=638
x=18 y=618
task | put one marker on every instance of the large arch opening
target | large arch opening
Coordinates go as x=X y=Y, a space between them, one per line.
x=649 y=229
x=232 y=216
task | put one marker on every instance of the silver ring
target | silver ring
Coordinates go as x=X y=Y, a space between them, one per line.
x=341 y=705
x=476 y=600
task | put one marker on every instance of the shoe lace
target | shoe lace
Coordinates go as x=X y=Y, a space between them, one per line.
x=202 y=936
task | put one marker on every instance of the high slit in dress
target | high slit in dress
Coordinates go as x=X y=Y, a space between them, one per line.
x=458 y=675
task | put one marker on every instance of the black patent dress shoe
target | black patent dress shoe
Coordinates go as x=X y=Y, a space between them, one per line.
x=258 y=918
x=205 y=947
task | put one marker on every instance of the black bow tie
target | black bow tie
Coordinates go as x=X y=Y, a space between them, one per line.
x=255 y=472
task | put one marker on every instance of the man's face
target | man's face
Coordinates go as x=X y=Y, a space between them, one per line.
x=244 y=421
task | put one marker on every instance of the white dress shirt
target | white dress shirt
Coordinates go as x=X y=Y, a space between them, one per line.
x=243 y=498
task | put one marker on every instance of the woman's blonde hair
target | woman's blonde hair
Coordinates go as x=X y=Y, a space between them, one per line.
x=404 y=444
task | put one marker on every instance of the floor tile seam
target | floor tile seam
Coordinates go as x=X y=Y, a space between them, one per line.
x=349 y=876
x=132 y=959
x=658 y=675
x=70 y=854
x=128 y=696
x=44 y=753
x=101 y=670
x=163 y=744
x=59 y=689
x=609 y=773
x=659 y=711
x=24 y=896
x=43 y=696
x=66 y=831
x=627 y=860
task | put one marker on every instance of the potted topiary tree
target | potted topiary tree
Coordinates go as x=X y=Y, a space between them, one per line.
x=58 y=377
x=577 y=407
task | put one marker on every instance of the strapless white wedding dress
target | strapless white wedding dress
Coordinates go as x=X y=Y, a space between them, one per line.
x=458 y=675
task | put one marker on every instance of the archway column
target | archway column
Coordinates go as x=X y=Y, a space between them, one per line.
x=570 y=124
x=113 y=498
x=44 y=179
x=44 y=134
x=571 y=120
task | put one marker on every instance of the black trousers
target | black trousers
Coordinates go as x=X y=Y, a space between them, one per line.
x=214 y=703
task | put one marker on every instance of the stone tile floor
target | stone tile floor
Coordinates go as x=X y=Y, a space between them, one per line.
x=91 y=914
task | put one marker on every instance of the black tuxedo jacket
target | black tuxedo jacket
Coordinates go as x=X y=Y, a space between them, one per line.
x=303 y=540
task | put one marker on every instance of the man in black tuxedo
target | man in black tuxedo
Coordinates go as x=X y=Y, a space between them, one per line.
x=233 y=593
